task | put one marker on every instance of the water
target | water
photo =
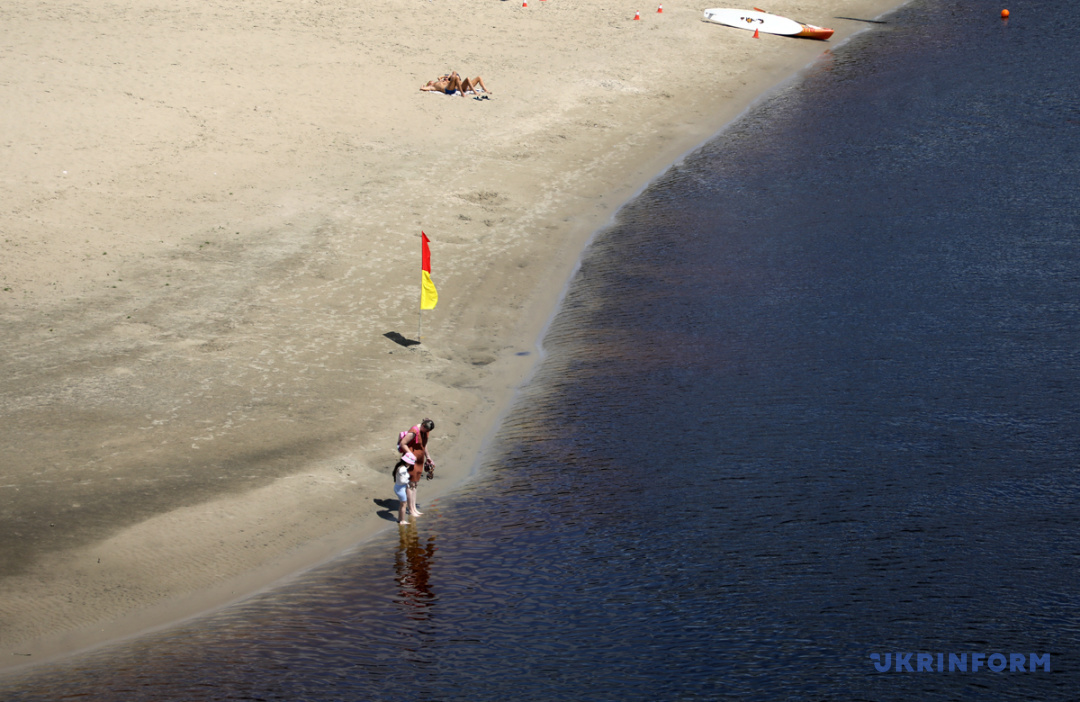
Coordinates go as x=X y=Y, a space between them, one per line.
x=815 y=396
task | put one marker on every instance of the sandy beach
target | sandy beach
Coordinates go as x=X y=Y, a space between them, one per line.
x=210 y=230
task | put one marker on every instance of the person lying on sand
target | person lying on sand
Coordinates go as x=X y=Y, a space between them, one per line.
x=453 y=83
x=439 y=85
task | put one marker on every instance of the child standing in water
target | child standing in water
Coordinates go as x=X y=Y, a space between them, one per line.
x=401 y=488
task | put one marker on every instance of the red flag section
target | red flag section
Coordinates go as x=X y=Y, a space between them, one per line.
x=429 y=296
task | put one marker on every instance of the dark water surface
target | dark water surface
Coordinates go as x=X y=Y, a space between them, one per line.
x=816 y=395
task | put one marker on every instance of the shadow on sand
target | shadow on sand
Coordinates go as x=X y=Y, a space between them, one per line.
x=389 y=509
x=399 y=339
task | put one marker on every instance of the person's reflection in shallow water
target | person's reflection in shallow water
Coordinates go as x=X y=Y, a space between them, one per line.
x=412 y=567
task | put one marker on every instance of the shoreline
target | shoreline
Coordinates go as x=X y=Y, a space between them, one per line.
x=258 y=479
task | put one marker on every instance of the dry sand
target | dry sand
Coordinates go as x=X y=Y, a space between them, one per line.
x=210 y=217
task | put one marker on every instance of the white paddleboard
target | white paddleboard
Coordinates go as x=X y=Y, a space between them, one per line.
x=764 y=22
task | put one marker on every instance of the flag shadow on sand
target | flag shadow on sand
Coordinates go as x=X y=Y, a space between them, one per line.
x=400 y=340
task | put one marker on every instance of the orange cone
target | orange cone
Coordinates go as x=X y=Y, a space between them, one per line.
x=524 y=3
x=637 y=15
x=757 y=34
x=659 y=9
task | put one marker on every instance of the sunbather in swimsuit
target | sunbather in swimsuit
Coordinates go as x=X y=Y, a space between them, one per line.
x=453 y=83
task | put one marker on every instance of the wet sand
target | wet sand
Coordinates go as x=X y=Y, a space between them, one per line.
x=209 y=278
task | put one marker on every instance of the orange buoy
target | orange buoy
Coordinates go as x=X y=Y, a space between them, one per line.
x=1004 y=14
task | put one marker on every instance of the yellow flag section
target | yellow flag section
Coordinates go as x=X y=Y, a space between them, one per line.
x=429 y=296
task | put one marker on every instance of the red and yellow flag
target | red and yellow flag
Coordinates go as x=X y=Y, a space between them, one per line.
x=429 y=296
